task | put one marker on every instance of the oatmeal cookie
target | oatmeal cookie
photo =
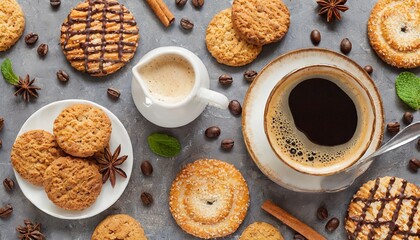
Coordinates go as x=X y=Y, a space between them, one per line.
x=225 y=44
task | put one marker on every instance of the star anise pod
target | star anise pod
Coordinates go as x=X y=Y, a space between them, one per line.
x=25 y=88
x=108 y=165
x=332 y=8
x=30 y=231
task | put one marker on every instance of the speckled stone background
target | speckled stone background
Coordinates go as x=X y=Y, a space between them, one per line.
x=156 y=219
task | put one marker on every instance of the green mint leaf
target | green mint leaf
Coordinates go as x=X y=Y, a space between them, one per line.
x=408 y=89
x=164 y=145
x=7 y=72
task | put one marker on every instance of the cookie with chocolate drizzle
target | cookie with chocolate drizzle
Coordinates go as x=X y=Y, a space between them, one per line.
x=385 y=208
x=99 y=37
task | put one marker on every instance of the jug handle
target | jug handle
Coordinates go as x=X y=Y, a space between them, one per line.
x=213 y=98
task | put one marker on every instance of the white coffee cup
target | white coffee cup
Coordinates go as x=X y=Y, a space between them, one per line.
x=181 y=110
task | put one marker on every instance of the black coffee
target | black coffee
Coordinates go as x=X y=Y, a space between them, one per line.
x=323 y=112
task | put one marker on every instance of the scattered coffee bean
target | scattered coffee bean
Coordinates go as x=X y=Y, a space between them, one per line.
x=212 y=132
x=198 y=3
x=368 y=69
x=332 y=224
x=8 y=184
x=418 y=143
x=315 y=37
x=114 y=93
x=31 y=38
x=414 y=164
x=180 y=3
x=1 y=123
x=393 y=127
x=227 y=144
x=408 y=117
x=62 y=76
x=345 y=46
x=235 y=107
x=250 y=75
x=42 y=50
x=55 y=3
x=146 y=168
x=6 y=211
x=186 y=24
x=225 y=80
x=146 y=198
x=322 y=213
x=1 y=143
x=298 y=237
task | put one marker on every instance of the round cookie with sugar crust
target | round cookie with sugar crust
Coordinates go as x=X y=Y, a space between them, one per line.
x=225 y=44
x=209 y=198
x=32 y=153
x=119 y=226
x=261 y=231
x=72 y=183
x=99 y=37
x=260 y=22
x=394 y=32
x=384 y=208
x=12 y=23
x=82 y=130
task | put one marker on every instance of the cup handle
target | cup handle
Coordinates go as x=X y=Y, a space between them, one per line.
x=213 y=98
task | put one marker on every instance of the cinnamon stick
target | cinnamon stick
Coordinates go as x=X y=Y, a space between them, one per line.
x=162 y=11
x=291 y=221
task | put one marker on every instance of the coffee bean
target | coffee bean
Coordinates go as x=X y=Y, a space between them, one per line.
x=345 y=46
x=180 y=3
x=414 y=164
x=146 y=168
x=146 y=198
x=235 y=107
x=227 y=144
x=42 y=50
x=113 y=93
x=55 y=3
x=8 y=184
x=315 y=37
x=198 y=3
x=225 y=80
x=186 y=24
x=298 y=237
x=332 y=224
x=250 y=75
x=393 y=127
x=212 y=132
x=368 y=69
x=31 y=38
x=1 y=143
x=62 y=76
x=418 y=143
x=1 y=123
x=322 y=213
x=408 y=117
x=6 y=211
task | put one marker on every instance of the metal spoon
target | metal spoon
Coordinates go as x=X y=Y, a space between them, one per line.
x=344 y=179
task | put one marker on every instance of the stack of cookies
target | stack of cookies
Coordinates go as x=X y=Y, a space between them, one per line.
x=63 y=163
x=235 y=36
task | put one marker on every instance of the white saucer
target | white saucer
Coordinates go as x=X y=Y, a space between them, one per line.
x=44 y=119
x=253 y=115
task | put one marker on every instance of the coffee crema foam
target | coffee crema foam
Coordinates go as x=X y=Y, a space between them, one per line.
x=299 y=148
x=169 y=79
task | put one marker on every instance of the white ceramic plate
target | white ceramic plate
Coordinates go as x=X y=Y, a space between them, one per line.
x=44 y=119
x=253 y=115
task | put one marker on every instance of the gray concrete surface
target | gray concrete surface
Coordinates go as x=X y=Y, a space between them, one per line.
x=156 y=220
